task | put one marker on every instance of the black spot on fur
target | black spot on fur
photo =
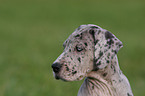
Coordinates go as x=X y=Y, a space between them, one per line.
x=107 y=61
x=112 y=56
x=96 y=60
x=105 y=45
x=69 y=50
x=115 y=51
x=109 y=47
x=119 y=44
x=73 y=67
x=105 y=74
x=100 y=54
x=96 y=41
x=78 y=35
x=114 y=81
x=79 y=59
x=99 y=63
x=95 y=68
x=121 y=80
x=99 y=32
x=92 y=32
x=86 y=44
x=74 y=72
x=81 y=36
x=67 y=69
x=110 y=42
x=108 y=35
x=71 y=58
x=94 y=27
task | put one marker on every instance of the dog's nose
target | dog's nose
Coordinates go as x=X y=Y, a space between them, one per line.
x=56 y=67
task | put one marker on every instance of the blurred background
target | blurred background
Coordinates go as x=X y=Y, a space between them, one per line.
x=32 y=33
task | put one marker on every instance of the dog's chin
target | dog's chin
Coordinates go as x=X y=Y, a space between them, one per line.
x=70 y=79
x=59 y=78
x=63 y=79
x=67 y=79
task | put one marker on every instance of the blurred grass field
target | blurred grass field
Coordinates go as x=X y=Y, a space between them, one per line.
x=32 y=33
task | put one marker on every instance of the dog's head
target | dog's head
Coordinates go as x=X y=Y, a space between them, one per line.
x=87 y=49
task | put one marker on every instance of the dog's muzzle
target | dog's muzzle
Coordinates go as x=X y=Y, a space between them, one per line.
x=56 y=68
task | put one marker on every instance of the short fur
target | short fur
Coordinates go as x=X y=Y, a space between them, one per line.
x=91 y=52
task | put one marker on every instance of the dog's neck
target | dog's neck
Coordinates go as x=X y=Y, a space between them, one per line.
x=108 y=81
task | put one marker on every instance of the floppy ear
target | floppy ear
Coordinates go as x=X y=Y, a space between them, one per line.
x=106 y=46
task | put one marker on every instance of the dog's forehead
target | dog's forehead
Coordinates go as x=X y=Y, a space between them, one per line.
x=73 y=38
x=76 y=35
x=83 y=29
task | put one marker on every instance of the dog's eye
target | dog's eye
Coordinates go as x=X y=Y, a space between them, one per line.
x=79 y=48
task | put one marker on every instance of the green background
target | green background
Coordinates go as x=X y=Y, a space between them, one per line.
x=32 y=33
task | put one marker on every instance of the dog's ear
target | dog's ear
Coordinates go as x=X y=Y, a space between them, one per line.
x=106 y=46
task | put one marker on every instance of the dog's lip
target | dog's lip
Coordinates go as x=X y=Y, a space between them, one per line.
x=57 y=77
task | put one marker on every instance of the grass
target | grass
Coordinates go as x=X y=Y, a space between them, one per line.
x=32 y=33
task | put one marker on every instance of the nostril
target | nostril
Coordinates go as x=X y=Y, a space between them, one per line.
x=56 y=67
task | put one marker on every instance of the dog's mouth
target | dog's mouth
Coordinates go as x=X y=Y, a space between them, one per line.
x=57 y=77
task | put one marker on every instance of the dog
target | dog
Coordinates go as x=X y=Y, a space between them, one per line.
x=91 y=52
